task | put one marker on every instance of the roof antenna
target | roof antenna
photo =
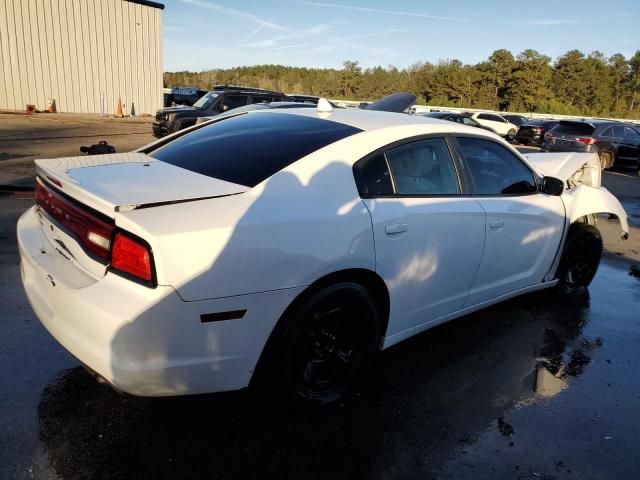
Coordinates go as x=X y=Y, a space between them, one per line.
x=324 y=106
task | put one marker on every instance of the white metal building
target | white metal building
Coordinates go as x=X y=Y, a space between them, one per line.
x=83 y=54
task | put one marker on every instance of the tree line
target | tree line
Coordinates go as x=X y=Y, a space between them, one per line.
x=575 y=84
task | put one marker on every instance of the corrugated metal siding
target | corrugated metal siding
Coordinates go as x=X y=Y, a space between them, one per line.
x=79 y=53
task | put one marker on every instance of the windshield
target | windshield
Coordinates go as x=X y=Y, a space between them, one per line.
x=206 y=100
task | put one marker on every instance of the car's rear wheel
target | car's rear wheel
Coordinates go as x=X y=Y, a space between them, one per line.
x=606 y=160
x=580 y=258
x=329 y=337
x=511 y=135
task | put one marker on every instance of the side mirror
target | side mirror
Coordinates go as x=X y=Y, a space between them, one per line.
x=552 y=186
x=84 y=149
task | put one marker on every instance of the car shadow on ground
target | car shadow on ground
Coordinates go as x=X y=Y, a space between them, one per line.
x=419 y=404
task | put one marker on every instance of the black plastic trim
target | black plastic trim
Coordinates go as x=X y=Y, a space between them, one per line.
x=221 y=316
x=147 y=3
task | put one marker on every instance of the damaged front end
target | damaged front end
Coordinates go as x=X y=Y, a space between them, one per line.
x=583 y=196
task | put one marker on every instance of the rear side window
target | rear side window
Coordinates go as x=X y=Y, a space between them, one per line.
x=372 y=176
x=493 y=118
x=251 y=147
x=495 y=170
x=631 y=134
x=423 y=168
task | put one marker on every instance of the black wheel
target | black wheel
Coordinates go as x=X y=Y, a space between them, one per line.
x=580 y=258
x=328 y=339
x=606 y=160
x=511 y=135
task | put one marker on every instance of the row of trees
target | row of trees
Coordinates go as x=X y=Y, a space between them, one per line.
x=575 y=84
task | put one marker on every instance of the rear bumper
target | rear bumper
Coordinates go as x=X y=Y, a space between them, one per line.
x=549 y=147
x=529 y=139
x=144 y=341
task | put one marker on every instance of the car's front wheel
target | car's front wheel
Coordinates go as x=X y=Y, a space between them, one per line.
x=580 y=258
x=329 y=337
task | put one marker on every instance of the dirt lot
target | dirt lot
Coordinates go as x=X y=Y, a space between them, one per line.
x=24 y=138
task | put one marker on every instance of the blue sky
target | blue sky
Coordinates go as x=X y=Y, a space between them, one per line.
x=203 y=34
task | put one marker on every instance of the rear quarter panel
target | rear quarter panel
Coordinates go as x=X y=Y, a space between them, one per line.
x=290 y=230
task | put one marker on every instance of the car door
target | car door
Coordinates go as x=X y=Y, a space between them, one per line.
x=630 y=146
x=428 y=237
x=493 y=121
x=524 y=227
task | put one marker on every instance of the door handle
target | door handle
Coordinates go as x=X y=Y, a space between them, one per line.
x=396 y=228
x=496 y=224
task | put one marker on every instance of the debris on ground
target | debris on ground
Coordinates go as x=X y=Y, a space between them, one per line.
x=505 y=428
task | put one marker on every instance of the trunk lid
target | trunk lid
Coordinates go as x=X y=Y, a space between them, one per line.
x=79 y=199
x=126 y=181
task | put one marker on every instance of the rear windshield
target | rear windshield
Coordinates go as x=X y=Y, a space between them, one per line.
x=250 y=148
x=574 y=128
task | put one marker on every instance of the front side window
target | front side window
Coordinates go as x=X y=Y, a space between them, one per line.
x=494 y=170
x=424 y=167
x=234 y=101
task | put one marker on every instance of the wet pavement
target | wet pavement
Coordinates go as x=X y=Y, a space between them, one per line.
x=539 y=387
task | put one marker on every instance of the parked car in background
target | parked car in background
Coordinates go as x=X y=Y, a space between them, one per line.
x=462 y=118
x=220 y=99
x=611 y=140
x=532 y=132
x=500 y=125
x=283 y=248
x=395 y=102
x=183 y=96
x=258 y=106
x=303 y=98
x=517 y=120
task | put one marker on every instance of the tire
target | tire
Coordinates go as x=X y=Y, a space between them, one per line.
x=580 y=258
x=606 y=160
x=511 y=135
x=328 y=339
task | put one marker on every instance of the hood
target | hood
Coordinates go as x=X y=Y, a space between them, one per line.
x=126 y=181
x=396 y=102
x=564 y=165
x=182 y=108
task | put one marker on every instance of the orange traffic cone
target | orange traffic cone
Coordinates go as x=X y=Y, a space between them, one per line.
x=119 y=108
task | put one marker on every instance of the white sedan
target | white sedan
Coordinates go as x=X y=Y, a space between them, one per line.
x=499 y=124
x=285 y=247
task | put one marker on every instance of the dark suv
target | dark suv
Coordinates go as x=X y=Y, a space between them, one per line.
x=220 y=99
x=532 y=132
x=611 y=140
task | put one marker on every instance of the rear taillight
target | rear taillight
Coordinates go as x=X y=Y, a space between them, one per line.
x=586 y=140
x=132 y=257
x=537 y=129
x=93 y=233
